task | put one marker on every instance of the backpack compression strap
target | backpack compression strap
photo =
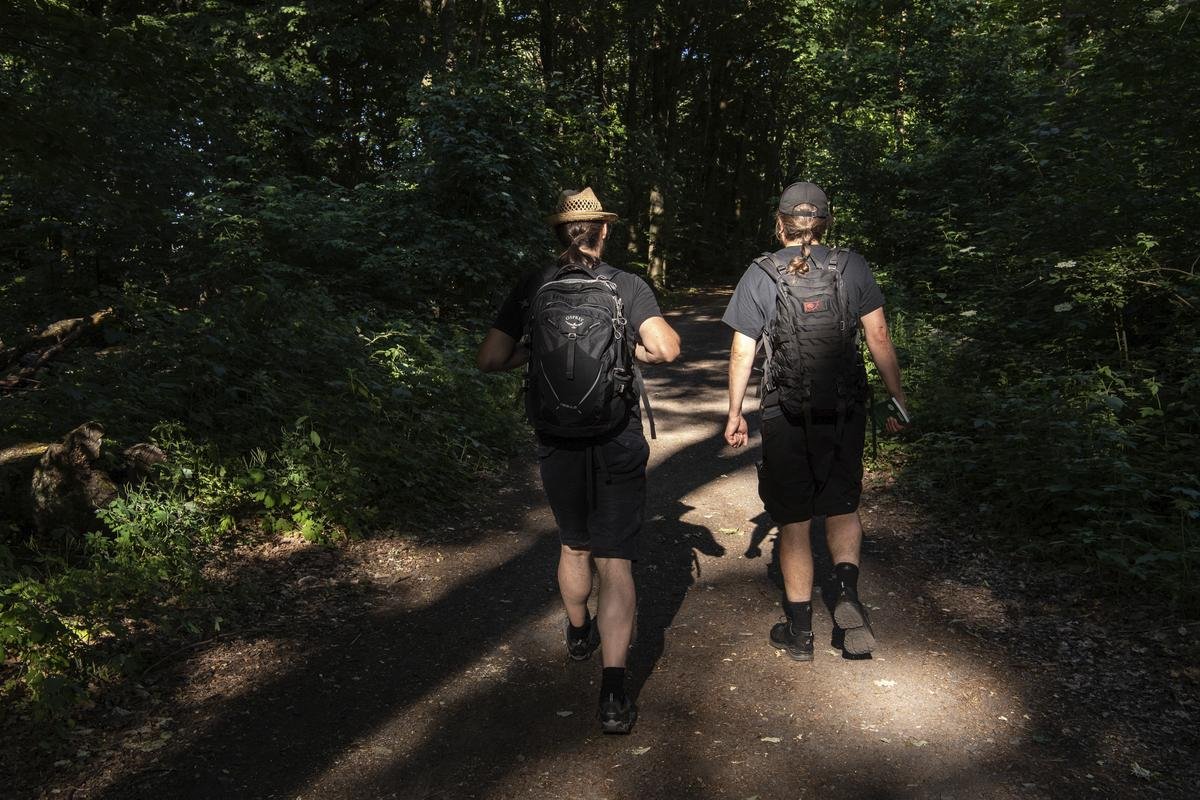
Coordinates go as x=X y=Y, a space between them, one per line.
x=640 y=385
x=635 y=370
x=767 y=263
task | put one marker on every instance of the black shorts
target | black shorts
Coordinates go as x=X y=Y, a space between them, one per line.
x=812 y=468
x=607 y=519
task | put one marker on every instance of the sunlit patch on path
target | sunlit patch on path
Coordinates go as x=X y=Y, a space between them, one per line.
x=459 y=686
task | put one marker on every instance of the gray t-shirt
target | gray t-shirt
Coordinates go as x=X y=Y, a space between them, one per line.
x=752 y=307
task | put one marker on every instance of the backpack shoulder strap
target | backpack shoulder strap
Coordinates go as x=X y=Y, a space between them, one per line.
x=831 y=261
x=839 y=259
x=835 y=255
x=768 y=264
x=569 y=269
x=605 y=270
x=533 y=286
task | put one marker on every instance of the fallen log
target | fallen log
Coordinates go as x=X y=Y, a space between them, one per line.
x=20 y=452
x=51 y=335
x=59 y=485
x=37 y=352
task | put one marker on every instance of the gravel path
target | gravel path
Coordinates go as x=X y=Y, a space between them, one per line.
x=451 y=681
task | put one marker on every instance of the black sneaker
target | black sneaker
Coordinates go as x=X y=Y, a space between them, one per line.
x=797 y=644
x=852 y=618
x=617 y=716
x=581 y=649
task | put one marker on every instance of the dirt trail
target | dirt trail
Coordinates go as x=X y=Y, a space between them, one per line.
x=452 y=683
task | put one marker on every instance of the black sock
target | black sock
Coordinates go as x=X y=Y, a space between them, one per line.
x=800 y=614
x=847 y=575
x=580 y=632
x=612 y=682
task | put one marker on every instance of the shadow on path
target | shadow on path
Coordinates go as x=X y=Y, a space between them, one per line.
x=281 y=737
x=470 y=694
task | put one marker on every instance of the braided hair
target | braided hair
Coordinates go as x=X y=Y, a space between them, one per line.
x=806 y=230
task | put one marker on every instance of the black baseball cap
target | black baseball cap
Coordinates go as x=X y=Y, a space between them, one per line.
x=802 y=192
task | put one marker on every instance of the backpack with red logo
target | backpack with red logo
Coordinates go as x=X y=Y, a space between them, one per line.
x=582 y=380
x=812 y=349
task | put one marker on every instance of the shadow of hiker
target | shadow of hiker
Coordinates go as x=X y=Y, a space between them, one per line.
x=454 y=693
x=284 y=732
x=762 y=527
x=463 y=741
x=292 y=728
x=670 y=567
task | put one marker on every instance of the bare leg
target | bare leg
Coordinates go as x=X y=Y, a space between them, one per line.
x=844 y=534
x=845 y=543
x=616 y=610
x=575 y=582
x=795 y=561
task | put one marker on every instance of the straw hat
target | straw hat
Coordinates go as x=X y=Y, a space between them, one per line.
x=579 y=206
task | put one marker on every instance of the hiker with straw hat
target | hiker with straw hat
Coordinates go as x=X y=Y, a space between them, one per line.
x=581 y=327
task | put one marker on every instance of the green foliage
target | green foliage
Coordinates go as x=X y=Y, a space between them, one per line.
x=402 y=425
x=1090 y=467
x=305 y=214
x=1049 y=289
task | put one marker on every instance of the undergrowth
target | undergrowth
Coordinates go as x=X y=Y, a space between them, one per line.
x=320 y=422
x=1076 y=458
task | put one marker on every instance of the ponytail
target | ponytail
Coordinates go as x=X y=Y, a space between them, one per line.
x=805 y=230
x=799 y=264
x=577 y=236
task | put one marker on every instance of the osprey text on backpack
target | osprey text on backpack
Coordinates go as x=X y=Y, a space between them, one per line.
x=812 y=342
x=582 y=380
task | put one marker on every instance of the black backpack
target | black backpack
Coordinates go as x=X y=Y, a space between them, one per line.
x=582 y=380
x=811 y=345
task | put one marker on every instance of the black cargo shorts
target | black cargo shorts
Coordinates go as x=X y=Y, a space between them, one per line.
x=597 y=490
x=812 y=468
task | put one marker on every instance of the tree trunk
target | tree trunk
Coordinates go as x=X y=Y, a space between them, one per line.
x=448 y=21
x=898 y=126
x=479 y=37
x=654 y=239
x=546 y=39
x=635 y=122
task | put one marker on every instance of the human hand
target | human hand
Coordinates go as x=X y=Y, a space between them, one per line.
x=736 y=433
x=896 y=425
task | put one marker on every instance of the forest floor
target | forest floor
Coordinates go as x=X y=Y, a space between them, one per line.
x=432 y=665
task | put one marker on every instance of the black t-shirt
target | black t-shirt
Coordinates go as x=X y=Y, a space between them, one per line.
x=637 y=297
x=752 y=307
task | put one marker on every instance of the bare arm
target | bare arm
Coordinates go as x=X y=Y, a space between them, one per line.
x=741 y=362
x=660 y=342
x=500 y=352
x=883 y=353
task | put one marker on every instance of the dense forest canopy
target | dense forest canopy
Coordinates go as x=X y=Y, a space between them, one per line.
x=303 y=214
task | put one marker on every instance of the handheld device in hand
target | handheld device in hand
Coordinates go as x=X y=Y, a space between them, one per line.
x=890 y=409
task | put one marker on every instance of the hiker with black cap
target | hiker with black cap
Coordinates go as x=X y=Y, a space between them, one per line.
x=806 y=304
x=582 y=326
